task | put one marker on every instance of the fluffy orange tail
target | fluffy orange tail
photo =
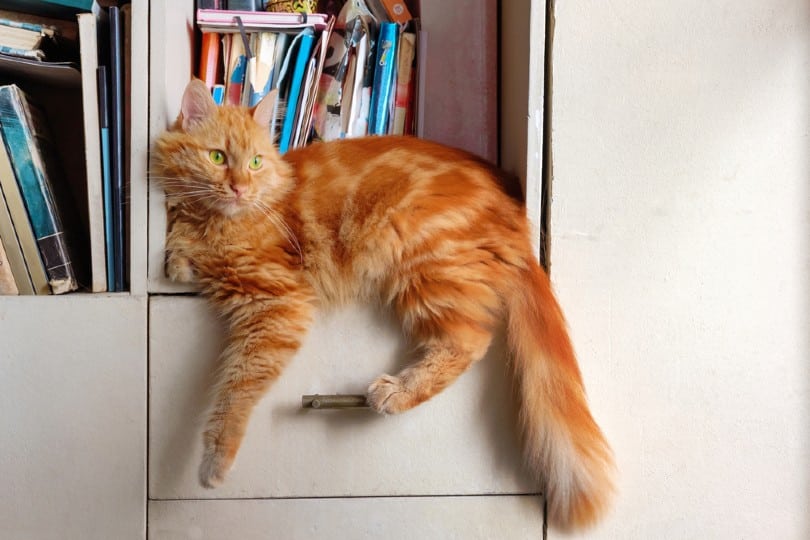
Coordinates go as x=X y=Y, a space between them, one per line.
x=563 y=446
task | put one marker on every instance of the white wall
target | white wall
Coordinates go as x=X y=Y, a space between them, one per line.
x=680 y=250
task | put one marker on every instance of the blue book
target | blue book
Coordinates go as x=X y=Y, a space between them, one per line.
x=218 y=94
x=382 y=90
x=106 y=173
x=306 y=39
x=33 y=159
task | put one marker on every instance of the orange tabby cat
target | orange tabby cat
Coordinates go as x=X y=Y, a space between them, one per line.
x=422 y=228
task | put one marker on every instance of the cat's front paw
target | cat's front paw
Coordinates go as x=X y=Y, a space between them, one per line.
x=180 y=269
x=213 y=468
x=388 y=395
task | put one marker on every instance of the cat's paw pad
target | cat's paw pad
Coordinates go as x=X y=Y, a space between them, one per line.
x=213 y=469
x=180 y=270
x=388 y=395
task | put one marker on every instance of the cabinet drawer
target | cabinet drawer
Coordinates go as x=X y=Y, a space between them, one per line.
x=461 y=442
x=392 y=518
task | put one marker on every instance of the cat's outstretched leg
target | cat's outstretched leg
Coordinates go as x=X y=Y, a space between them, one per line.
x=443 y=361
x=262 y=338
x=452 y=323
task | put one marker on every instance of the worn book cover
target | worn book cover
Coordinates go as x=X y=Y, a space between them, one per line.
x=28 y=268
x=35 y=163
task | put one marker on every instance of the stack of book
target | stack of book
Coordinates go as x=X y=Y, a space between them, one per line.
x=347 y=72
x=63 y=157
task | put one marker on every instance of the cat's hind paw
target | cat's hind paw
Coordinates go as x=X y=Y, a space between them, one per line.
x=388 y=395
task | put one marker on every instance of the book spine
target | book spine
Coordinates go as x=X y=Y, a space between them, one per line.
x=301 y=61
x=263 y=63
x=19 y=138
x=218 y=94
x=117 y=145
x=384 y=72
x=88 y=49
x=106 y=173
x=8 y=232
x=209 y=59
x=14 y=222
x=235 y=83
x=404 y=88
x=7 y=284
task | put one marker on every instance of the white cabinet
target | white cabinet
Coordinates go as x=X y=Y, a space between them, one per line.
x=72 y=389
x=462 y=442
x=311 y=473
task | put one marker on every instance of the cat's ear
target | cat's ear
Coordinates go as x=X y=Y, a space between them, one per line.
x=264 y=111
x=197 y=104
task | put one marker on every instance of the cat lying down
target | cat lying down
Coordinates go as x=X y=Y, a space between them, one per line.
x=424 y=229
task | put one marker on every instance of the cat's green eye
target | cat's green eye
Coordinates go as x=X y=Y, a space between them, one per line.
x=255 y=163
x=216 y=157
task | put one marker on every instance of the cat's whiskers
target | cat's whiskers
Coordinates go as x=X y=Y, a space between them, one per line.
x=280 y=224
x=195 y=198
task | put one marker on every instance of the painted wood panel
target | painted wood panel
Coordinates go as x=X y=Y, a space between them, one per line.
x=461 y=442
x=393 y=518
x=73 y=396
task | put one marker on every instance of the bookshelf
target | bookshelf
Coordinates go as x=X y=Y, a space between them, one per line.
x=153 y=331
x=74 y=377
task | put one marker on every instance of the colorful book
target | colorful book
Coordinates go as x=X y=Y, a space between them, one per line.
x=261 y=66
x=403 y=98
x=209 y=59
x=235 y=70
x=384 y=79
x=34 y=161
x=302 y=55
x=88 y=48
x=218 y=94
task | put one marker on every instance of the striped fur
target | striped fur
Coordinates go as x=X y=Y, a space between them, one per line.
x=417 y=226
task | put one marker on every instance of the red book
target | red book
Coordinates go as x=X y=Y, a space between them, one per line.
x=209 y=59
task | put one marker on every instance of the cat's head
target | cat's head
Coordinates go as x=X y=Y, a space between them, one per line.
x=221 y=158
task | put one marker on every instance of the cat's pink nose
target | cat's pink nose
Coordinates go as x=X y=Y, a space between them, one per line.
x=238 y=189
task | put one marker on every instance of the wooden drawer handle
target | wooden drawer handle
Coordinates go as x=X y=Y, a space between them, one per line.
x=334 y=401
